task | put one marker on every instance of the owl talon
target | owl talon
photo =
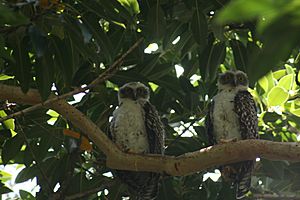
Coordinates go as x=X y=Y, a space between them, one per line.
x=224 y=141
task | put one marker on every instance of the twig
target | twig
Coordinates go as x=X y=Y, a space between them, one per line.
x=185 y=129
x=89 y=192
x=101 y=78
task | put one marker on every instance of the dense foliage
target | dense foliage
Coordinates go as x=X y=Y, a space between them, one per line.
x=58 y=45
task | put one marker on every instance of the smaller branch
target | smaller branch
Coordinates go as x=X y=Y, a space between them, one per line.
x=91 y=191
x=185 y=129
x=101 y=78
x=275 y=196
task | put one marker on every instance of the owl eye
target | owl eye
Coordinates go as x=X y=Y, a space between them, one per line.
x=126 y=91
x=240 y=78
x=141 y=92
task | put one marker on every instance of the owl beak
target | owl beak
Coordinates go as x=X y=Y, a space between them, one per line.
x=235 y=83
x=134 y=96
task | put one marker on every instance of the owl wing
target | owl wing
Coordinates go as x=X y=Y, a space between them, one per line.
x=154 y=129
x=245 y=108
x=209 y=124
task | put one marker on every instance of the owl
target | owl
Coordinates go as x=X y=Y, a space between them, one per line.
x=136 y=128
x=233 y=116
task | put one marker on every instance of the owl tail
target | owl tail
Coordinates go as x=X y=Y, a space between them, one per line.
x=244 y=179
x=149 y=191
x=141 y=185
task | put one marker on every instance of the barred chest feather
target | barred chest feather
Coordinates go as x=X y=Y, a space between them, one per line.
x=225 y=120
x=129 y=127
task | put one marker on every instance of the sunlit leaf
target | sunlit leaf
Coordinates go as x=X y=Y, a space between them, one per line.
x=263 y=84
x=279 y=73
x=286 y=82
x=240 y=10
x=131 y=5
x=10 y=123
x=277 y=96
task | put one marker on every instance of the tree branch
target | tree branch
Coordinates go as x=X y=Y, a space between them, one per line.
x=181 y=165
x=101 y=78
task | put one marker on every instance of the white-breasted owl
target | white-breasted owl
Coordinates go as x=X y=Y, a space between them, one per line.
x=136 y=128
x=233 y=116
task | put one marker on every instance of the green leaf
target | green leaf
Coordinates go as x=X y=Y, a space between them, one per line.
x=286 y=82
x=11 y=148
x=10 y=17
x=22 y=67
x=277 y=96
x=199 y=27
x=148 y=65
x=10 y=123
x=92 y=24
x=263 y=85
x=4 y=176
x=279 y=73
x=26 y=195
x=210 y=60
x=4 y=77
x=160 y=70
x=4 y=189
x=242 y=10
x=5 y=53
x=289 y=69
x=296 y=112
x=174 y=30
x=274 y=169
x=278 y=44
x=27 y=173
x=239 y=54
x=156 y=22
x=131 y=5
x=271 y=117
x=38 y=40
x=45 y=75
x=270 y=78
x=113 y=8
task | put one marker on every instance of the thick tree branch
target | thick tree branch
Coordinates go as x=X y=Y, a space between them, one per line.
x=181 y=165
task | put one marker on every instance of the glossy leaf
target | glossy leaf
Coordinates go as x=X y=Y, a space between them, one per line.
x=210 y=60
x=22 y=66
x=286 y=82
x=156 y=21
x=199 y=27
x=10 y=123
x=11 y=148
x=26 y=195
x=277 y=96
x=240 y=54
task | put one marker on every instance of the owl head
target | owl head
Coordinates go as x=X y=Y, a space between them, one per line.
x=233 y=79
x=134 y=91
